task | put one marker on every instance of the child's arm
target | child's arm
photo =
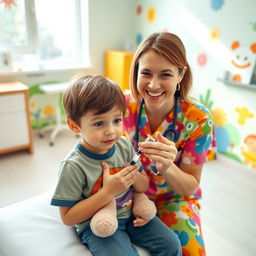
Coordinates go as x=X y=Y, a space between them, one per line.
x=84 y=209
x=112 y=186
x=142 y=182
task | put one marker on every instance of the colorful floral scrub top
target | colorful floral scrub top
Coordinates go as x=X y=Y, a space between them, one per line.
x=196 y=143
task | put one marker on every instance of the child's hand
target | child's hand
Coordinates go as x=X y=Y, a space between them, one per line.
x=139 y=222
x=116 y=183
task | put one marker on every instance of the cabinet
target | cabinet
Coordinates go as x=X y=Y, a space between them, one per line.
x=117 y=67
x=15 y=129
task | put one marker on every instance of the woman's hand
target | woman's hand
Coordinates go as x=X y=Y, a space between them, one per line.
x=115 y=184
x=162 y=152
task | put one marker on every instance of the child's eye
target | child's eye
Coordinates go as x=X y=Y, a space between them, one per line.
x=98 y=124
x=118 y=120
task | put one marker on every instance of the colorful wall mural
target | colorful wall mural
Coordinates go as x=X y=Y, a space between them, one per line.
x=43 y=107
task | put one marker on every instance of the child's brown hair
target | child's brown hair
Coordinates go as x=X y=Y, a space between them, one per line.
x=92 y=92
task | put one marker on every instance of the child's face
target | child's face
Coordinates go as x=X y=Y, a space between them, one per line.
x=100 y=132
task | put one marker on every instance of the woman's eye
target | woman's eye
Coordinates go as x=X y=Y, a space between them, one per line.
x=118 y=120
x=145 y=73
x=165 y=75
x=100 y=123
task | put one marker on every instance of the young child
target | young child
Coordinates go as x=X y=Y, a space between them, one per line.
x=95 y=108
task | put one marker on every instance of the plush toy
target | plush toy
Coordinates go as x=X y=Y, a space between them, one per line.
x=104 y=222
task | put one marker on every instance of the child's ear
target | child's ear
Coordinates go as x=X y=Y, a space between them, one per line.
x=73 y=125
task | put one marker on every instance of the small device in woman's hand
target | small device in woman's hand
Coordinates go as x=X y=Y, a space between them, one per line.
x=138 y=153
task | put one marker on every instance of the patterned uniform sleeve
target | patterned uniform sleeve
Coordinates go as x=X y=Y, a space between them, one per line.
x=70 y=186
x=130 y=118
x=200 y=144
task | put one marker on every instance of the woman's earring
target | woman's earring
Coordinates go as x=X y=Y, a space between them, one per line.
x=178 y=87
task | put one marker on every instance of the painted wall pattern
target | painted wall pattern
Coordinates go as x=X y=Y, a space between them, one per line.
x=43 y=107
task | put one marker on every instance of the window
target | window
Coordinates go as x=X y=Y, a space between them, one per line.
x=44 y=34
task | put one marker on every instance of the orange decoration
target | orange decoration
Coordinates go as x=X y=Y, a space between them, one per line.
x=8 y=3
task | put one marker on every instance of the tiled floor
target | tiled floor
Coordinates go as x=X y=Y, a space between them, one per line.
x=228 y=204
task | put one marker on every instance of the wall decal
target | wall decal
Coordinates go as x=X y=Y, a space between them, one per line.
x=201 y=60
x=41 y=112
x=151 y=14
x=139 y=9
x=214 y=34
x=227 y=135
x=253 y=26
x=216 y=5
x=8 y=3
x=248 y=150
x=206 y=99
x=243 y=115
x=242 y=62
x=139 y=38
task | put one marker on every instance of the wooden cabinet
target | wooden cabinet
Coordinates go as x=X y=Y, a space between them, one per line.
x=117 y=67
x=15 y=129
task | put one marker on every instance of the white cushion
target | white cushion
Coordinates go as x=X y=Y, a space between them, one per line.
x=33 y=227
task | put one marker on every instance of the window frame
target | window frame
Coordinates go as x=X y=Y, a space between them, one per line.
x=31 y=47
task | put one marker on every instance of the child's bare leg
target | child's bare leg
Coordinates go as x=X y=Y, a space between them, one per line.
x=143 y=207
x=104 y=222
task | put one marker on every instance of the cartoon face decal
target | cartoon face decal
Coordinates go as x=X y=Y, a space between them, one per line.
x=242 y=62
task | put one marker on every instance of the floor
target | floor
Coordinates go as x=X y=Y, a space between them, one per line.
x=228 y=204
x=23 y=175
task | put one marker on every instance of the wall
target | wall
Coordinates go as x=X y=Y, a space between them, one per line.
x=208 y=29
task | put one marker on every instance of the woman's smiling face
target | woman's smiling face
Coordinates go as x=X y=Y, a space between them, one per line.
x=157 y=81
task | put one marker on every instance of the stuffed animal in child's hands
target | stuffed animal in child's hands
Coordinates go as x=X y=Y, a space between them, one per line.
x=104 y=222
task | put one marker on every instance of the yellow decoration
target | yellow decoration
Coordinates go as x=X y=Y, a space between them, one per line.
x=32 y=104
x=151 y=14
x=219 y=117
x=48 y=110
x=251 y=156
x=215 y=34
x=243 y=115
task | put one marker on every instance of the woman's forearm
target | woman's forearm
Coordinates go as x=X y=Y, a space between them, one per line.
x=182 y=182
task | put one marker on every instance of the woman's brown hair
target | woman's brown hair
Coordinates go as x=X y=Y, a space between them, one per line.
x=170 y=47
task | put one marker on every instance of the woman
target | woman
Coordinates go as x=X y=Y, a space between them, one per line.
x=160 y=81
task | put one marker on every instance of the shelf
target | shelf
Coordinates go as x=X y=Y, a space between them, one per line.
x=232 y=83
